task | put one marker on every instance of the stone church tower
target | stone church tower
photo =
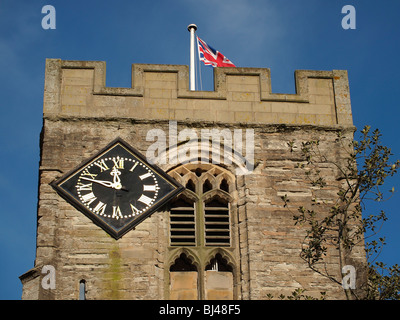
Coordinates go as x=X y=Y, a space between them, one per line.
x=225 y=233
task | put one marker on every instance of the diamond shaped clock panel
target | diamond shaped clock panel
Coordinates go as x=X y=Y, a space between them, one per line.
x=117 y=188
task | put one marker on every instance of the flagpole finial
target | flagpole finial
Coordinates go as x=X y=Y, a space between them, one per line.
x=190 y=26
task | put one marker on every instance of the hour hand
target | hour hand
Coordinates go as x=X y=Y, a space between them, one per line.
x=108 y=184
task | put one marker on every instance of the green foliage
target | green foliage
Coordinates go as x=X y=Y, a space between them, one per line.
x=362 y=167
x=297 y=294
x=384 y=282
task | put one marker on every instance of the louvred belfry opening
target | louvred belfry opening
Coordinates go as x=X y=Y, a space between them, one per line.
x=182 y=222
x=201 y=215
x=217 y=224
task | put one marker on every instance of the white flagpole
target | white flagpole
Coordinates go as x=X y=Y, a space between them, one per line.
x=192 y=28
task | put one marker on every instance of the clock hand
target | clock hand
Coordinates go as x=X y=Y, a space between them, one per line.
x=108 y=184
x=117 y=181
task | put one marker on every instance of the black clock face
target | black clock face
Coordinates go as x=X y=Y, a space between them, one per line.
x=117 y=188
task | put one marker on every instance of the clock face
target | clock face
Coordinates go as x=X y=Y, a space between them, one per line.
x=117 y=188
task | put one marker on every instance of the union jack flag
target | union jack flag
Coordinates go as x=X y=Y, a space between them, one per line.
x=212 y=57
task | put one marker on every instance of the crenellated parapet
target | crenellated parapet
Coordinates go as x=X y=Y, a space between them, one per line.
x=235 y=150
x=161 y=92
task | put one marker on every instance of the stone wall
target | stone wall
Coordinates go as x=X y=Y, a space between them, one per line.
x=81 y=116
x=159 y=92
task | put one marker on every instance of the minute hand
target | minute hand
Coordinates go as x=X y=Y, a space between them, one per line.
x=108 y=184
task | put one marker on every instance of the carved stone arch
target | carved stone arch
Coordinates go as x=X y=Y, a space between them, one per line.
x=190 y=176
x=224 y=185
x=188 y=194
x=216 y=170
x=175 y=175
x=181 y=169
x=190 y=254
x=226 y=173
x=186 y=177
x=200 y=172
x=224 y=254
x=222 y=264
x=211 y=182
x=182 y=274
x=230 y=181
x=191 y=185
x=168 y=161
x=217 y=193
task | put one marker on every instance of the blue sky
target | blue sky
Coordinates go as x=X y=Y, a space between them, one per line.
x=280 y=35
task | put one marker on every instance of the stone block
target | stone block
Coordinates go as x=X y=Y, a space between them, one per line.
x=244 y=116
x=218 y=285
x=183 y=286
x=245 y=96
x=243 y=79
x=285 y=108
x=77 y=77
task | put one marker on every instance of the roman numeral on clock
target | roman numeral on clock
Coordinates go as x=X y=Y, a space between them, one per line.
x=84 y=187
x=89 y=198
x=149 y=188
x=144 y=176
x=134 y=166
x=102 y=165
x=87 y=173
x=145 y=199
x=135 y=211
x=118 y=163
x=100 y=208
x=116 y=213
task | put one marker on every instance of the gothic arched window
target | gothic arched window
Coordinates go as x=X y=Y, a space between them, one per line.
x=200 y=216
x=202 y=245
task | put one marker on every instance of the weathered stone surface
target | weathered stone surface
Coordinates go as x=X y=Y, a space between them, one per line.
x=183 y=286
x=81 y=116
x=218 y=285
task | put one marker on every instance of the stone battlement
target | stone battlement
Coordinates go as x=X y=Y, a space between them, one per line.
x=161 y=92
x=239 y=125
